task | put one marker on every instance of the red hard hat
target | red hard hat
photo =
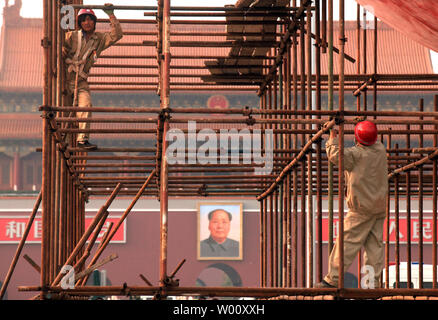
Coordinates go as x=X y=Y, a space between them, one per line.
x=86 y=11
x=365 y=133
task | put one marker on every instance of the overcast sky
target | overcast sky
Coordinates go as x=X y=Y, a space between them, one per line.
x=33 y=9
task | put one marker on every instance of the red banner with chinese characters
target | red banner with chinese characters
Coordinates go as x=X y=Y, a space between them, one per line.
x=403 y=230
x=13 y=227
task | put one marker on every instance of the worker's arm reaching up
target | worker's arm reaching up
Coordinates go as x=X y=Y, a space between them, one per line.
x=332 y=150
x=116 y=32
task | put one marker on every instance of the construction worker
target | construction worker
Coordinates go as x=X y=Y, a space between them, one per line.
x=80 y=51
x=366 y=179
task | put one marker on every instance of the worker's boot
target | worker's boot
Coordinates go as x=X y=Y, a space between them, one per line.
x=86 y=145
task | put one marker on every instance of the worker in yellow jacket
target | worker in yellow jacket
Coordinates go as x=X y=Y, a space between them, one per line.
x=366 y=179
x=80 y=51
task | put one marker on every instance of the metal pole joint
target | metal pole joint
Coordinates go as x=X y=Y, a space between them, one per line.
x=359 y=119
x=202 y=191
x=48 y=115
x=343 y=40
x=170 y=282
x=165 y=114
x=250 y=121
x=126 y=291
x=46 y=43
x=338 y=117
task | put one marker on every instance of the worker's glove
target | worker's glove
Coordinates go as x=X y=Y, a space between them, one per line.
x=108 y=9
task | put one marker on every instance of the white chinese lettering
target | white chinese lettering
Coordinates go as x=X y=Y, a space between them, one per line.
x=427 y=230
x=392 y=226
x=15 y=229
x=37 y=231
x=104 y=229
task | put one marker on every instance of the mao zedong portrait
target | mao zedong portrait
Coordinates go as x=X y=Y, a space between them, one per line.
x=218 y=244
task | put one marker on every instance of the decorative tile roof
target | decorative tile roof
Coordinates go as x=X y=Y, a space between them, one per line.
x=22 y=126
x=21 y=54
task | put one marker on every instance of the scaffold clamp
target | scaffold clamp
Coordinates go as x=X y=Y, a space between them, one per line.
x=165 y=113
x=339 y=118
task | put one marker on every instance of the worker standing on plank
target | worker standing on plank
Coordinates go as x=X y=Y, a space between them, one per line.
x=80 y=51
x=366 y=179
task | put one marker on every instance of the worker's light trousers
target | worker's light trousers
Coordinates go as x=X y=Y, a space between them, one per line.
x=360 y=230
x=84 y=100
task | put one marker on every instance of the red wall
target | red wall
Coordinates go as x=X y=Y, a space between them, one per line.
x=140 y=253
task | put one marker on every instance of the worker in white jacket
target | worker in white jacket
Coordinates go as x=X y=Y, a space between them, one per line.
x=80 y=51
x=366 y=179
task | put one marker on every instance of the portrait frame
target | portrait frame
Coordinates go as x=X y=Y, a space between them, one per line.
x=236 y=227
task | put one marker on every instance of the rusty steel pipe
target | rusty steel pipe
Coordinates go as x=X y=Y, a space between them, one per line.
x=434 y=203
x=105 y=243
x=294 y=162
x=90 y=229
x=45 y=242
x=346 y=293
x=420 y=206
x=341 y=144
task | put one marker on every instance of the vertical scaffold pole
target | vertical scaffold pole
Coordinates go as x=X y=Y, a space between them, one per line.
x=364 y=52
x=318 y=146
x=287 y=233
x=388 y=217
x=262 y=243
x=294 y=240
x=164 y=95
x=358 y=53
x=303 y=142
x=341 y=144
x=330 y=107
x=434 y=200
x=408 y=212
x=263 y=216
x=420 y=205
x=359 y=255
x=45 y=242
x=309 y=106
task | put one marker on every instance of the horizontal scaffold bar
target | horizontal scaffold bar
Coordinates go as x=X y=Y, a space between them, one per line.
x=246 y=111
x=234 y=291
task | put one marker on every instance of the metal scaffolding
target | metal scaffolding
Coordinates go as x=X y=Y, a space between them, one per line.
x=278 y=55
